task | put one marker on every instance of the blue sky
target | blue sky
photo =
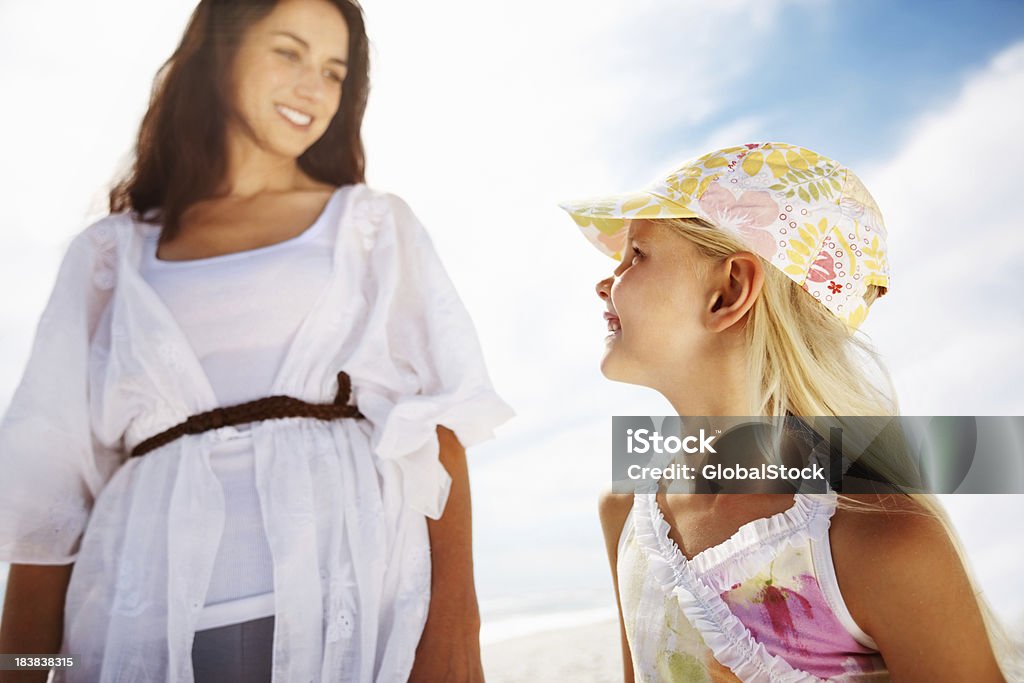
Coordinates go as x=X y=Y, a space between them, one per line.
x=484 y=115
x=875 y=65
x=864 y=69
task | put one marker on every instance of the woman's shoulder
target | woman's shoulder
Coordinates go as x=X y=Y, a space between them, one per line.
x=91 y=254
x=380 y=211
x=379 y=198
x=106 y=232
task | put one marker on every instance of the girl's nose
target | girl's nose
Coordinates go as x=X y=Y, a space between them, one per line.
x=603 y=288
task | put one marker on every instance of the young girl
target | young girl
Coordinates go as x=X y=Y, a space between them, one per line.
x=742 y=278
x=248 y=393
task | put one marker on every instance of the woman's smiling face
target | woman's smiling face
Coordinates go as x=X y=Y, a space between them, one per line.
x=288 y=73
x=655 y=301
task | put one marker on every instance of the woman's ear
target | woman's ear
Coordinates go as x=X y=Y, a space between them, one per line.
x=736 y=283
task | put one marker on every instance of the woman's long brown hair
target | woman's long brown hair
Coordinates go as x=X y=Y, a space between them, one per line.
x=180 y=155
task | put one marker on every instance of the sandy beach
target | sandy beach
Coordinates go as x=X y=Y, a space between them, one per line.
x=589 y=654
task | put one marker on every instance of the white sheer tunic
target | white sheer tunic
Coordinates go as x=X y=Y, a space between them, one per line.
x=344 y=503
x=240 y=313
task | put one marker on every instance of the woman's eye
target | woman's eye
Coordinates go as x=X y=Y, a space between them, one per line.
x=334 y=76
x=637 y=254
x=288 y=54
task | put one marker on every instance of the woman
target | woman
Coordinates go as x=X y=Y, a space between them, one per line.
x=217 y=533
x=742 y=278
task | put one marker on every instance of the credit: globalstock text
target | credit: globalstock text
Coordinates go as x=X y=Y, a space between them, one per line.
x=681 y=472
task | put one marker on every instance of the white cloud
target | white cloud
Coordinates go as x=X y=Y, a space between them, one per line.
x=484 y=123
x=994 y=550
x=952 y=327
x=953 y=324
x=483 y=130
x=81 y=85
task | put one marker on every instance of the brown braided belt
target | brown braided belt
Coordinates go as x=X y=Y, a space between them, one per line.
x=269 y=408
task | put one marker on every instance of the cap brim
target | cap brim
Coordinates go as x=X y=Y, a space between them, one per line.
x=603 y=219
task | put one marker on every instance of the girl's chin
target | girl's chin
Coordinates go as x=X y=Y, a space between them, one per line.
x=615 y=368
x=611 y=367
x=607 y=367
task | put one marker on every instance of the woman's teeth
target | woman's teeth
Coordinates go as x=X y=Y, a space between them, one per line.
x=613 y=325
x=296 y=117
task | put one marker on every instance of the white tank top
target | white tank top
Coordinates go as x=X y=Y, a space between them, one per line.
x=764 y=606
x=239 y=313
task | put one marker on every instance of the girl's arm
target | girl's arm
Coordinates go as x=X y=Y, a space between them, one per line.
x=449 y=649
x=33 y=619
x=614 y=508
x=907 y=588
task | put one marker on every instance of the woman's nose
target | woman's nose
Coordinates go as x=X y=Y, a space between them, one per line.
x=310 y=86
x=603 y=288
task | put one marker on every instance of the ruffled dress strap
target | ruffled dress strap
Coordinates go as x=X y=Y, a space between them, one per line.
x=697 y=584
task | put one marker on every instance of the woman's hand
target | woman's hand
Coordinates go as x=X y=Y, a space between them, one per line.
x=33 y=617
x=613 y=509
x=449 y=649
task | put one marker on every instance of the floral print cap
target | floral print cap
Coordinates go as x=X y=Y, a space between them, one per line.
x=806 y=214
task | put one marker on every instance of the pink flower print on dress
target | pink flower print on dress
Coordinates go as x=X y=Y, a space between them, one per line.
x=823 y=268
x=791 y=617
x=745 y=215
x=778 y=603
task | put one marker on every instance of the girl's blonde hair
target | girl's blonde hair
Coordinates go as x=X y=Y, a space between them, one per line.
x=808 y=363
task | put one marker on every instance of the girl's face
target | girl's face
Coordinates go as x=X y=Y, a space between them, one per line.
x=288 y=73
x=655 y=306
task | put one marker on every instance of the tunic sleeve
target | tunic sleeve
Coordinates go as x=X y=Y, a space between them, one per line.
x=433 y=347
x=51 y=465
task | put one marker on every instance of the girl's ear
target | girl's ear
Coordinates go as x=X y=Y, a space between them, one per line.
x=736 y=283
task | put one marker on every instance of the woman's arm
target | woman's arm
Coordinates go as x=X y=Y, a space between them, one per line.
x=614 y=508
x=907 y=588
x=33 y=619
x=449 y=649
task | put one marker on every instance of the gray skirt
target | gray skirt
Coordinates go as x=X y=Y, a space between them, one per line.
x=236 y=652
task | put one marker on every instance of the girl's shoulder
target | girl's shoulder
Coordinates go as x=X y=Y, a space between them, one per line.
x=890 y=537
x=613 y=510
x=901 y=574
x=871 y=523
x=614 y=507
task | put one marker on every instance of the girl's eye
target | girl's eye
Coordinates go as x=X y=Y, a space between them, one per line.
x=288 y=54
x=637 y=254
x=335 y=76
